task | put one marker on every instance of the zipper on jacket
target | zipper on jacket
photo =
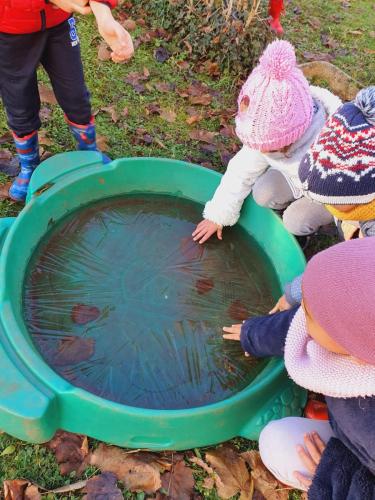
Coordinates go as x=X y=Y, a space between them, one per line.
x=43 y=20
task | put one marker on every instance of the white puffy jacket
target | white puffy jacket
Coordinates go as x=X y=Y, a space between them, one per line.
x=247 y=165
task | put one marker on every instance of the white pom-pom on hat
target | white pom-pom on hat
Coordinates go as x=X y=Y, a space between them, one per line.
x=365 y=101
x=278 y=60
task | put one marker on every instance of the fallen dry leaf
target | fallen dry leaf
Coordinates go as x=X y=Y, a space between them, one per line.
x=204 y=99
x=317 y=56
x=70 y=451
x=6 y=138
x=111 y=110
x=203 y=136
x=104 y=52
x=179 y=482
x=5 y=155
x=47 y=95
x=208 y=483
x=139 y=471
x=355 y=32
x=43 y=139
x=232 y=474
x=168 y=115
x=161 y=54
x=264 y=481
x=4 y=190
x=102 y=142
x=103 y=487
x=129 y=24
x=19 y=489
x=165 y=87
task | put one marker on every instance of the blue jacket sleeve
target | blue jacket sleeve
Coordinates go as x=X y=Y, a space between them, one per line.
x=265 y=335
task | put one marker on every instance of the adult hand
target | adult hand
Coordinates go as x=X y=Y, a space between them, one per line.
x=233 y=333
x=205 y=229
x=281 y=305
x=310 y=455
x=78 y=6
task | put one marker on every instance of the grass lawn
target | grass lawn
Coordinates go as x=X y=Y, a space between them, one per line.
x=343 y=30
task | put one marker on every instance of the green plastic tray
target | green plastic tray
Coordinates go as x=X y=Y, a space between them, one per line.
x=35 y=401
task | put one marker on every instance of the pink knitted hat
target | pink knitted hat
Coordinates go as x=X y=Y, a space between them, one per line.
x=339 y=291
x=275 y=106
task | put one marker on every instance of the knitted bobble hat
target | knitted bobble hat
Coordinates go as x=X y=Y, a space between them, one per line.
x=339 y=292
x=275 y=105
x=339 y=168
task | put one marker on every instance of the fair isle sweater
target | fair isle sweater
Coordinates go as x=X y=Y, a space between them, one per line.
x=248 y=165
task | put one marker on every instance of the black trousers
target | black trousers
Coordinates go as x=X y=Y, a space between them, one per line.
x=57 y=49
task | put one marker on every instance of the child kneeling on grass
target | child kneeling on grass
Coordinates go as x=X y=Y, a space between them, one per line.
x=34 y=32
x=279 y=116
x=328 y=345
x=339 y=173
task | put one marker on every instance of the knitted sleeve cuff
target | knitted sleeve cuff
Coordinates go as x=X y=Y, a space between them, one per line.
x=293 y=291
x=220 y=214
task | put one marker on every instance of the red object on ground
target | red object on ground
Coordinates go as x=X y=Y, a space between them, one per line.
x=275 y=9
x=316 y=410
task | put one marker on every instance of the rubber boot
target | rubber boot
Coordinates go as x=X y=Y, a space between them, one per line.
x=28 y=152
x=85 y=135
x=276 y=7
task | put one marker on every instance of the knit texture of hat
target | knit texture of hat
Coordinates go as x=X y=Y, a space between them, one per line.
x=339 y=169
x=338 y=289
x=275 y=106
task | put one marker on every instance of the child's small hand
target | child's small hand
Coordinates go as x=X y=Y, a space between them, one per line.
x=205 y=229
x=281 y=305
x=233 y=333
x=310 y=456
x=118 y=39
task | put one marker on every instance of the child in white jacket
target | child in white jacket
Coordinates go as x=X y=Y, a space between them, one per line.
x=279 y=116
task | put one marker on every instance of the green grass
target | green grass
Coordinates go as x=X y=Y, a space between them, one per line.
x=106 y=83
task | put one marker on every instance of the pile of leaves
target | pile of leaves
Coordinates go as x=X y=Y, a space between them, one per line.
x=231 y=38
x=224 y=472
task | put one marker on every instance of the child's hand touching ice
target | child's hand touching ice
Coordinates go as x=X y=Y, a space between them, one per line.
x=113 y=33
x=233 y=333
x=281 y=305
x=205 y=229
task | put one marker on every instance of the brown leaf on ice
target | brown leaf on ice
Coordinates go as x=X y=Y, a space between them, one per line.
x=232 y=474
x=47 y=95
x=238 y=311
x=264 y=482
x=43 y=139
x=139 y=471
x=70 y=451
x=179 y=482
x=203 y=136
x=103 y=487
x=72 y=350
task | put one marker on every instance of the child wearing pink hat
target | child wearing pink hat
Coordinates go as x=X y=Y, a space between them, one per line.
x=279 y=116
x=328 y=345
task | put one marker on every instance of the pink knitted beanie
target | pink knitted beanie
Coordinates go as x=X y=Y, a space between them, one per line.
x=275 y=106
x=339 y=291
